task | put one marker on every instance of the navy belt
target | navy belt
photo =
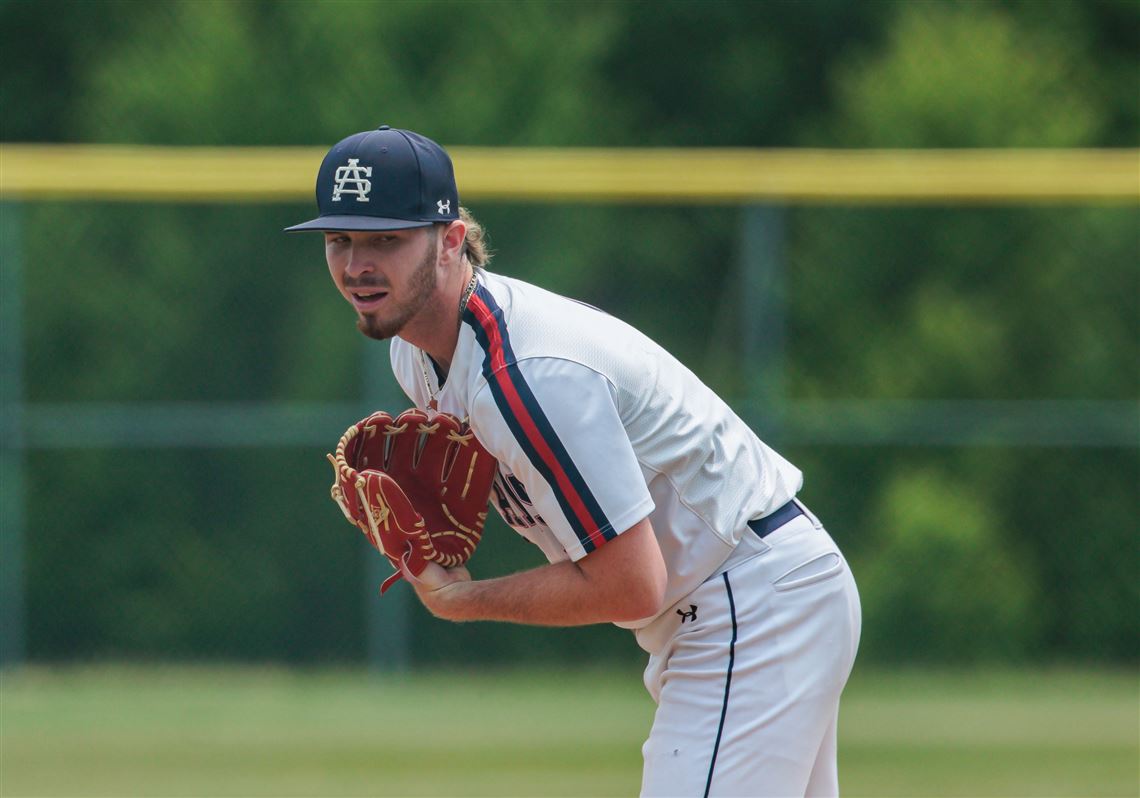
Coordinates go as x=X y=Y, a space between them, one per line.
x=773 y=521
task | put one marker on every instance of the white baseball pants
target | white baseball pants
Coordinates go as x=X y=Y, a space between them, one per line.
x=747 y=671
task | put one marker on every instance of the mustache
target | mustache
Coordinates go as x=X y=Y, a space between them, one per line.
x=382 y=285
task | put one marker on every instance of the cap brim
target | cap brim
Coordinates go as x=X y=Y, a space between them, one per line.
x=353 y=222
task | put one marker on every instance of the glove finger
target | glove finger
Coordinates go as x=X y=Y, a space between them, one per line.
x=403 y=442
x=372 y=442
x=349 y=444
x=436 y=446
x=379 y=419
x=466 y=493
x=472 y=472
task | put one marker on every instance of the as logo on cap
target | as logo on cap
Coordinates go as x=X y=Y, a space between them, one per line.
x=350 y=179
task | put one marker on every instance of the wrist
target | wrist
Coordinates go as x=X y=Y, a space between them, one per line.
x=452 y=600
x=443 y=592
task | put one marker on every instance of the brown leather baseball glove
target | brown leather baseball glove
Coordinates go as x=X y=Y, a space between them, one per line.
x=417 y=487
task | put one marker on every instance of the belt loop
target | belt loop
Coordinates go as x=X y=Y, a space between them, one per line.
x=811 y=516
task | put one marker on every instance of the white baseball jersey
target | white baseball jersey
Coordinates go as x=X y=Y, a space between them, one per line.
x=595 y=427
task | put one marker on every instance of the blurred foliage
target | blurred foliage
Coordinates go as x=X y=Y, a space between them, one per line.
x=952 y=79
x=963 y=554
x=942 y=584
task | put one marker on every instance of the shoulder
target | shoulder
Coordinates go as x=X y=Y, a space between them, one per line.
x=515 y=321
x=556 y=379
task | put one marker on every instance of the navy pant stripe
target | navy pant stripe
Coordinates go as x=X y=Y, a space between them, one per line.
x=727 y=683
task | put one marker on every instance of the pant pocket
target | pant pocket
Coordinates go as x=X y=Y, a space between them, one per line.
x=818 y=568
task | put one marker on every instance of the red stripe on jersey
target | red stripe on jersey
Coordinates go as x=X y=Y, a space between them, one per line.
x=499 y=371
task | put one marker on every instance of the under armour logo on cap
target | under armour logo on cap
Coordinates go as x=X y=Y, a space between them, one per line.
x=444 y=206
x=352 y=173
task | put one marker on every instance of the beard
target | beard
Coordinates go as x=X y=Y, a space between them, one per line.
x=421 y=285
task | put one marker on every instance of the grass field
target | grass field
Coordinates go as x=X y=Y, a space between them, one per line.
x=247 y=732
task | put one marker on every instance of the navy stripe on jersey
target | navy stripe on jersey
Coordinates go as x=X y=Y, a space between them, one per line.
x=529 y=424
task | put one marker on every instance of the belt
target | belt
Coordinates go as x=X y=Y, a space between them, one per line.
x=773 y=521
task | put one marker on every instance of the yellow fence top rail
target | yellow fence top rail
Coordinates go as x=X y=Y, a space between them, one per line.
x=720 y=176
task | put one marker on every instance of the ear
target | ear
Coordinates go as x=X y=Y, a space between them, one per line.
x=451 y=243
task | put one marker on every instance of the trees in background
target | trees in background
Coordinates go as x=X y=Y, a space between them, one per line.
x=961 y=553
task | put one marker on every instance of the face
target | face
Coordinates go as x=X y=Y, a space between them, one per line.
x=387 y=276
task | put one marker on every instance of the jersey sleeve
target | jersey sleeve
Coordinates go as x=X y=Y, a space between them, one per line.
x=556 y=425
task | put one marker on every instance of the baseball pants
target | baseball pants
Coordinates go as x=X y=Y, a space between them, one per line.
x=747 y=671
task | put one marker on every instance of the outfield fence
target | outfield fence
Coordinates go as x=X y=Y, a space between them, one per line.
x=762 y=190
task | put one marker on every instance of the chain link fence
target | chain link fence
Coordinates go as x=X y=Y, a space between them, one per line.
x=958 y=384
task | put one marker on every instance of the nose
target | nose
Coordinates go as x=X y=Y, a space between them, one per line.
x=359 y=263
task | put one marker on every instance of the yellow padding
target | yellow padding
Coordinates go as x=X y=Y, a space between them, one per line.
x=674 y=176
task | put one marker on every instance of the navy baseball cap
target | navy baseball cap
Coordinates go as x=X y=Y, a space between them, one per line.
x=384 y=179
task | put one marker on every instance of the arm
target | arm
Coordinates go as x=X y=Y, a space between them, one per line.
x=624 y=580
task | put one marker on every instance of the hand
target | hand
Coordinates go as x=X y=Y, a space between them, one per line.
x=439 y=589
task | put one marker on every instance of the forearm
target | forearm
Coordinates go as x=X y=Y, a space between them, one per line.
x=624 y=580
x=559 y=594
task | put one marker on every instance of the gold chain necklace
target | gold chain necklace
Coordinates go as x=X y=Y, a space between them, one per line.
x=433 y=403
x=467 y=292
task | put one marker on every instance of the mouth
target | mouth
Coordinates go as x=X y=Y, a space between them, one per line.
x=367 y=299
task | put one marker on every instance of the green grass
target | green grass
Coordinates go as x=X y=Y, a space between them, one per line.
x=991 y=734
x=248 y=732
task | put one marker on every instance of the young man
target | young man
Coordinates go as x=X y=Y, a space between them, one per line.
x=658 y=508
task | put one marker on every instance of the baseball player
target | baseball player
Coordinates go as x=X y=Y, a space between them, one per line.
x=657 y=507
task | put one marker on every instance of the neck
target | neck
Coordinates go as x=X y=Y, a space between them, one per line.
x=438 y=334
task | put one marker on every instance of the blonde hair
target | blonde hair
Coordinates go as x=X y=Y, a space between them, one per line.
x=475 y=245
